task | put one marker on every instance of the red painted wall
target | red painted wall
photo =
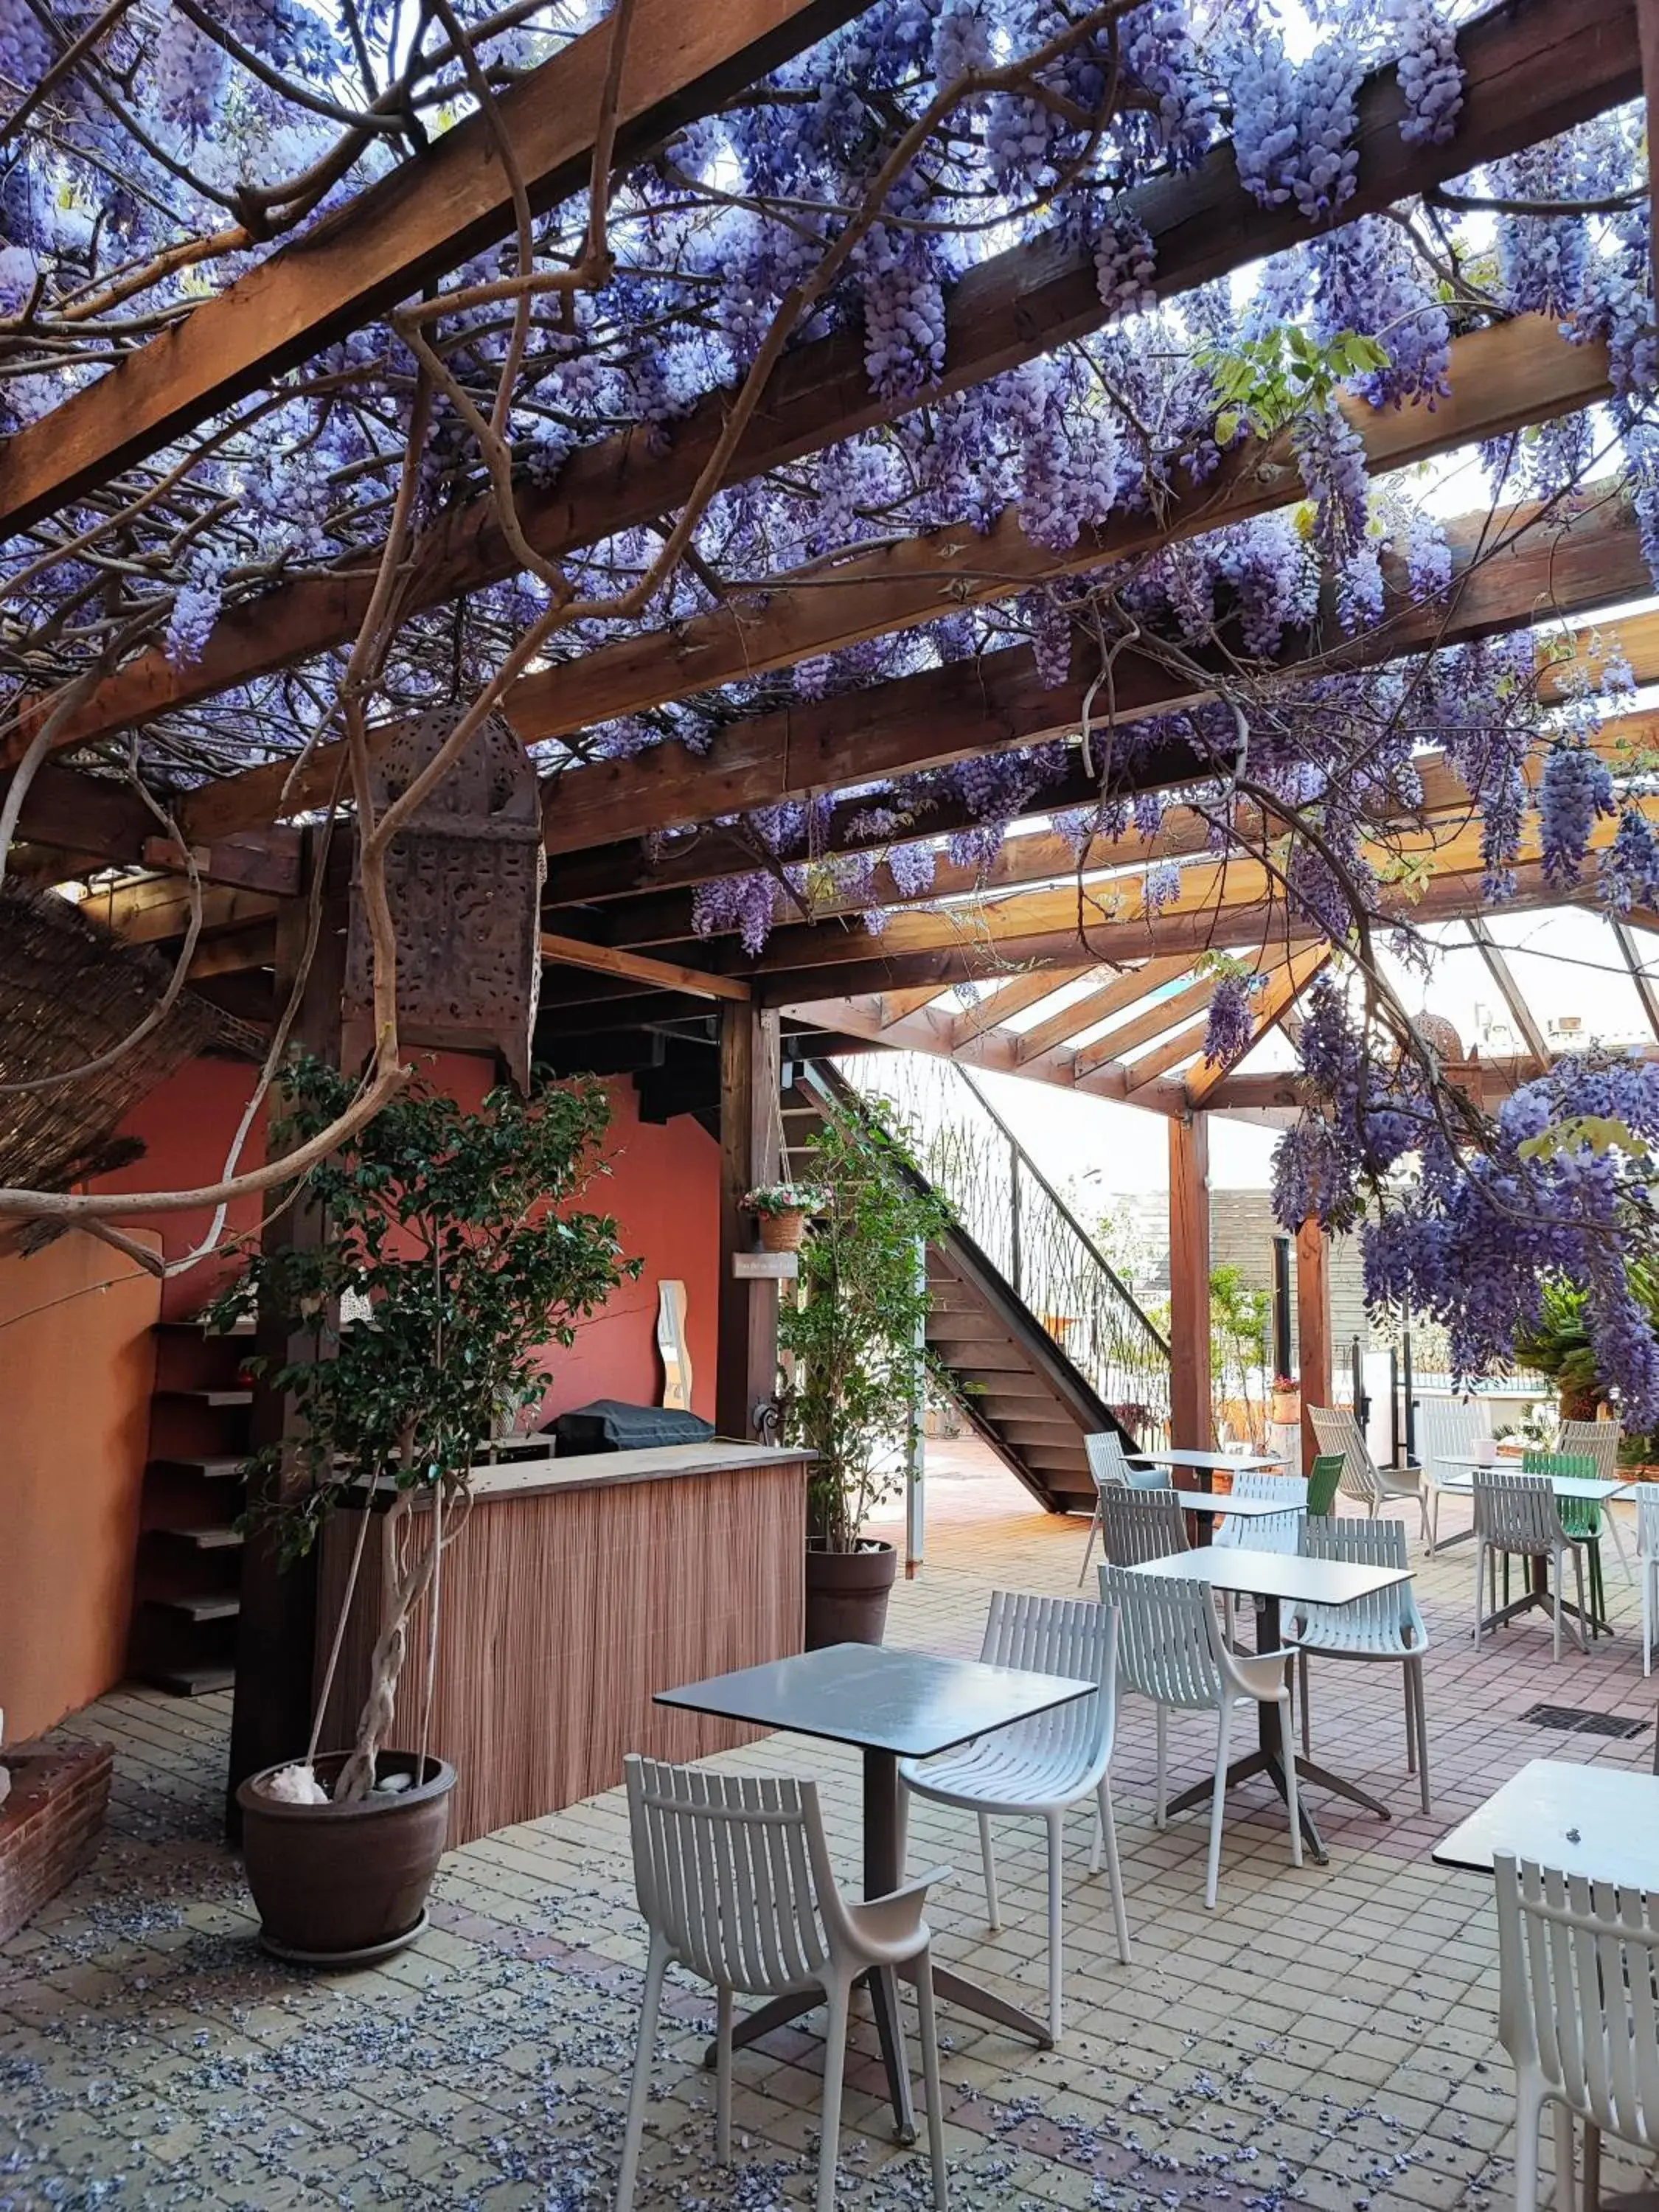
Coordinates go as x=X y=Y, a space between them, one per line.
x=663 y=1186
x=74 y=1465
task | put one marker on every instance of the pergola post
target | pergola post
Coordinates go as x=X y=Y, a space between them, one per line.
x=746 y=1356
x=1313 y=1328
x=1191 y=1414
x=277 y=1621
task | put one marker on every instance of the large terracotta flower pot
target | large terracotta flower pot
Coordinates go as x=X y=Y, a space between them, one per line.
x=846 y=1594
x=343 y=1884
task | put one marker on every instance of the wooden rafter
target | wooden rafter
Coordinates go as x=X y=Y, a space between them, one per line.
x=427 y=216
x=1501 y=378
x=1098 y=1005
x=1514 y=997
x=896 y=1005
x=658 y=974
x=1163 y=1013
x=1279 y=994
x=1174 y=1052
x=1530 y=72
x=1506 y=567
x=1645 y=978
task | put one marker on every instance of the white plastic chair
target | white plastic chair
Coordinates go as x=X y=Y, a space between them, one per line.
x=1647 y=1548
x=1138 y=1525
x=1044 y=1764
x=734 y=1882
x=1265 y=1532
x=1363 y=1479
x=1579 y=2014
x=1385 y=1625
x=1446 y=1428
x=1516 y=1513
x=1600 y=1441
x=1171 y=1648
x=1111 y=1471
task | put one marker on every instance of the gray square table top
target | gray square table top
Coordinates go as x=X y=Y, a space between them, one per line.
x=1598 y=1821
x=1283 y=1574
x=1596 y=1488
x=1241 y=1509
x=907 y=1702
x=1185 y=1455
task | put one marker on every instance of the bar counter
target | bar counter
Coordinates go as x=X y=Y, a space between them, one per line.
x=579 y=1588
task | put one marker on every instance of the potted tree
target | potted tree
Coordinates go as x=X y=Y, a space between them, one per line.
x=453 y=1259
x=856 y=1364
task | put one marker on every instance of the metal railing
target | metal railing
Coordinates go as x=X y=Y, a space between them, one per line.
x=1027 y=1232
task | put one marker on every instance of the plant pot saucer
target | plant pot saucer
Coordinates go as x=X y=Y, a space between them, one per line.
x=369 y=1954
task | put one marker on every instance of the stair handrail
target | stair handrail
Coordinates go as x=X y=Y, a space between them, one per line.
x=1029 y=1166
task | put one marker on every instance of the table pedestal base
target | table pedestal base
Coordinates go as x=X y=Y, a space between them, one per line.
x=883 y=1854
x=1267 y=1758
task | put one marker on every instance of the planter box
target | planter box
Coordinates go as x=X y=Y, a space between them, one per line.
x=50 y=1823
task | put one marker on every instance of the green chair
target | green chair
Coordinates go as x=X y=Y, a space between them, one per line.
x=1580 y=1517
x=1322 y=1484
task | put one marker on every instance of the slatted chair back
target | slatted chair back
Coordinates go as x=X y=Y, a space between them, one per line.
x=1265 y=1532
x=1516 y=1513
x=1647 y=1519
x=1337 y=1431
x=1106 y=1462
x=1581 y=1467
x=728 y=1868
x=1579 y=1516
x=1168 y=1638
x=1111 y=1468
x=1138 y=1525
x=1387 y=1621
x=1324 y=1483
x=1598 y=1440
x=1058 y=1635
x=1578 y=2003
x=1448 y=1429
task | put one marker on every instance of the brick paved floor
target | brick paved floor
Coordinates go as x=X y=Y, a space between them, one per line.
x=1325 y=2038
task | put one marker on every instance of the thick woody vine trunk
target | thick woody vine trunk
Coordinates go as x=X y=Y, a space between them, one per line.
x=405 y=1588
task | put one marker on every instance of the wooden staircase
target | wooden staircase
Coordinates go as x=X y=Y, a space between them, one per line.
x=1014 y=1381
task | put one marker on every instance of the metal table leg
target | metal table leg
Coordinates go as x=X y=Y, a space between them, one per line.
x=1267 y=1758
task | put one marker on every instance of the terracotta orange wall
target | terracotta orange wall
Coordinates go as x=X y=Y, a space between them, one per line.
x=77 y=1358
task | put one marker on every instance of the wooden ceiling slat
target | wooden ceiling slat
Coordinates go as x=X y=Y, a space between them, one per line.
x=426 y=217
x=1501 y=378
x=1013 y=998
x=1530 y=72
x=1140 y=1029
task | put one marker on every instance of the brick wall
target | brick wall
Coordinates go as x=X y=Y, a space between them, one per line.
x=50 y=1823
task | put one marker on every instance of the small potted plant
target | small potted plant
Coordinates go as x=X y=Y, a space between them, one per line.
x=783 y=1209
x=451 y=1259
x=857 y=1366
x=1286 y=1408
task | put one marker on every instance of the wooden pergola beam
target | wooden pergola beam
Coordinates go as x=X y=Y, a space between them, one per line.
x=1502 y=378
x=1531 y=71
x=1013 y=998
x=1162 y=1014
x=635 y=872
x=1124 y=990
x=1645 y=978
x=636 y=968
x=428 y=216
x=1506 y=572
x=1514 y=997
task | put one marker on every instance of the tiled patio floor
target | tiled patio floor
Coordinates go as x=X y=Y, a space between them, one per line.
x=1325 y=2038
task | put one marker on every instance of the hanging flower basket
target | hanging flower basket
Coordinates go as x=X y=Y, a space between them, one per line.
x=783 y=1232
x=783 y=1209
